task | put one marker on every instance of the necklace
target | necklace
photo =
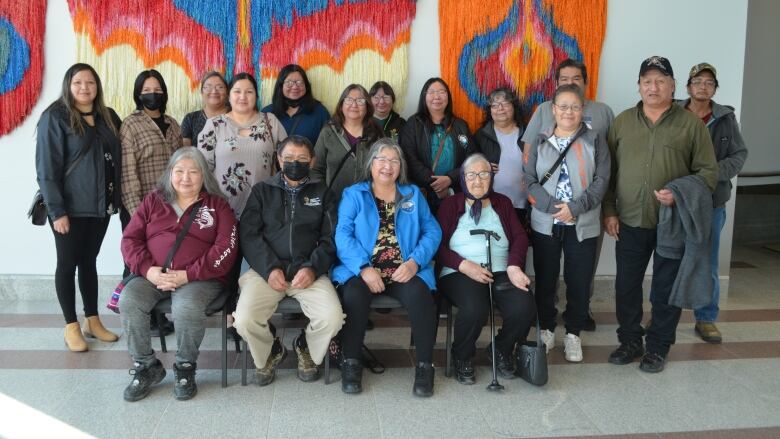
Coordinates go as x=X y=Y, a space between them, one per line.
x=90 y=113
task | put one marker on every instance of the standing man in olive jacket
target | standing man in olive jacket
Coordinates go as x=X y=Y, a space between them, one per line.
x=286 y=234
x=651 y=144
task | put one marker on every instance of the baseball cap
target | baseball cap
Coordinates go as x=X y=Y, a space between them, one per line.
x=656 y=62
x=698 y=68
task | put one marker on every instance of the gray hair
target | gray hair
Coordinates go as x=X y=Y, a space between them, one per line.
x=376 y=148
x=188 y=152
x=473 y=159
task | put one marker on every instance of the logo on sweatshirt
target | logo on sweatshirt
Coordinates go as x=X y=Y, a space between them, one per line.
x=311 y=202
x=407 y=206
x=204 y=219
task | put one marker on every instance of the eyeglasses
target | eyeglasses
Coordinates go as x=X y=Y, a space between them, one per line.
x=500 y=104
x=574 y=108
x=385 y=98
x=352 y=101
x=441 y=92
x=210 y=88
x=703 y=83
x=471 y=176
x=300 y=158
x=382 y=161
x=293 y=82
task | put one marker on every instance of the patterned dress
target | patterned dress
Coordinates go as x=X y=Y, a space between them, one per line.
x=239 y=161
x=387 y=254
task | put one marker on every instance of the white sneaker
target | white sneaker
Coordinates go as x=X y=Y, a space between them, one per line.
x=572 y=347
x=548 y=338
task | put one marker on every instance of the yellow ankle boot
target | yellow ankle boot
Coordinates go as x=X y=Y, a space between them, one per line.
x=73 y=338
x=94 y=328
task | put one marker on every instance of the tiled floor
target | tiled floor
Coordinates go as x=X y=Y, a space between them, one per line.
x=707 y=391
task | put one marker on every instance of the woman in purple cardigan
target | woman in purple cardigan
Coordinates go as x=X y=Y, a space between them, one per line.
x=464 y=281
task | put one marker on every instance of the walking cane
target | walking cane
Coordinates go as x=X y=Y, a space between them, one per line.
x=494 y=386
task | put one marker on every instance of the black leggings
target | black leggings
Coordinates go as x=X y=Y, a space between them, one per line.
x=473 y=301
x=415 y=296
x=78 y=248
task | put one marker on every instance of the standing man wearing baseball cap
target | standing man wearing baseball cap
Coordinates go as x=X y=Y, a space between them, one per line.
x=730 y=152
x=652 y=144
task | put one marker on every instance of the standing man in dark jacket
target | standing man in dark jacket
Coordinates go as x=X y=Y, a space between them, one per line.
x=730 y=152
x=286 y=235
x=652 y=144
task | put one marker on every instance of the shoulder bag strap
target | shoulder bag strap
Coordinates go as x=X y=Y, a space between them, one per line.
x=441 y=148
x=341 y=164
x=181 y=235
x=558 y=162
x=270 y=130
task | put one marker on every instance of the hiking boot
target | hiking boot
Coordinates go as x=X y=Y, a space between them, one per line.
x=351 y=376
x=265 y=375
x=504 y=365
x=464 y=371
x=144 y=377
x=423 y=379
x=184 y=387
x=652 y=363
x=307 y=370
x=572 y=348
x=708 y=332
x=627 y=352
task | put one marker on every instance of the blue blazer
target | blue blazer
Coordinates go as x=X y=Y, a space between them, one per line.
x=416 y=228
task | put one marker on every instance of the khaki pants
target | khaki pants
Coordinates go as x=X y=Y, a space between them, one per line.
x=258 y=302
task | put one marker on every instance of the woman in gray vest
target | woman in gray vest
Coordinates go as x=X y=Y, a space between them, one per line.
x=566 y=172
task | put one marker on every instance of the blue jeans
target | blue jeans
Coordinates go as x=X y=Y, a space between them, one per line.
x=709 y=313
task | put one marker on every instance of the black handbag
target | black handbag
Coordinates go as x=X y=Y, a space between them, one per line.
x=532 y=360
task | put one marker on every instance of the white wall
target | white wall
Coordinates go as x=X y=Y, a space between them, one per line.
x=635 y=30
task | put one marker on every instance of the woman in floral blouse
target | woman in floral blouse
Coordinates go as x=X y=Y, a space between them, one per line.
x=239 y=146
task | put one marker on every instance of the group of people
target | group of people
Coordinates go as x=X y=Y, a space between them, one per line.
x=333 y=210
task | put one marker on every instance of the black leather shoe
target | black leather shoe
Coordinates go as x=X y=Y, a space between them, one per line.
x=351 y=376
x=464 y=371
x=423 y=379
x=627 y=352
x=504 y=364
x=652 y=363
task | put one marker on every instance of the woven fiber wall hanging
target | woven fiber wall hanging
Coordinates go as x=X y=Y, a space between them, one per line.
x=21 y=59
x=516 y=43
x=338 y=42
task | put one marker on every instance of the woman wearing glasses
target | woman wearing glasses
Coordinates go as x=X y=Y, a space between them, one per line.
x=383 y=98
x=464 y=280
x=342 y=148
x=499 y=140
x=435 y=143
x=386 y=238
x=213 y=90
x=566 y=172
x=294 y=105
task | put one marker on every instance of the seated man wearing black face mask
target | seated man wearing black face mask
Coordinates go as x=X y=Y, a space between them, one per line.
x=286 y=234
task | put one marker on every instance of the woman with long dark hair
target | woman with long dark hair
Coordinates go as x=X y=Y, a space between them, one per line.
x=78 y=161
x=295 y=106
x=213 y=91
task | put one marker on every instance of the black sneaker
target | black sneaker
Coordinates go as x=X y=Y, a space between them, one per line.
x=423 y=379
x=184 y=387
x=307 y=369
x=504 y=365
x=464 y=371
x=627 y=352
x=351 y=376
x=267 y=373
x=144 y=377
x=652 y=362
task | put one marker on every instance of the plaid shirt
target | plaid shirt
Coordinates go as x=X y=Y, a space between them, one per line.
x=145 y=154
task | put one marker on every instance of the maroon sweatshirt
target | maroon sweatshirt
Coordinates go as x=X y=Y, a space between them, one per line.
x=453 y=207
x=207 y=252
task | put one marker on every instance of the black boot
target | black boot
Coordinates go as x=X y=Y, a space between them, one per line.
x=351 y=376
x=505 y=366
x=423 y=379
x=464 y=371
x=185 y=387
x=144 y=377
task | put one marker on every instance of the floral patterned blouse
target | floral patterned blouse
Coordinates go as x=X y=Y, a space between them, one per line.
x=387 y=253
x=240 y=161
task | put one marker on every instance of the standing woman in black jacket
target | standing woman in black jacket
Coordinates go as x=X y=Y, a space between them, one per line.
x=499 y=140
x=435 y=143
x=78 y=162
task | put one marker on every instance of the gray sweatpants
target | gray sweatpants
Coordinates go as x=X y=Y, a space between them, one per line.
x=188 y=306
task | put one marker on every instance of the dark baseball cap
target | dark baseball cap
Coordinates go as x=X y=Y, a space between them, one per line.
x=658 y=63
x=698 y=68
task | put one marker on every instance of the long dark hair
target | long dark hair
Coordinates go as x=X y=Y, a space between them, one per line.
x=67 y=101
x=139 y=85
x=370 y=128
x=511 y=97
x=422 y=108
x=278 y=105
x=249 y=77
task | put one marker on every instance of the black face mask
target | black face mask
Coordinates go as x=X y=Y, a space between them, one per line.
x=296 y=171
x=292 y=103
x=152 y=101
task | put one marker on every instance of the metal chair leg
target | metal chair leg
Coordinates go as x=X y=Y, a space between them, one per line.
x=327 y=366
x=160 y=316
x=244 y=361
x=224 y=346
x=448 y=343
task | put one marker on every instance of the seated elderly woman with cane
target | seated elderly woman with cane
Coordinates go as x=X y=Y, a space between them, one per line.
x=467 y=283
